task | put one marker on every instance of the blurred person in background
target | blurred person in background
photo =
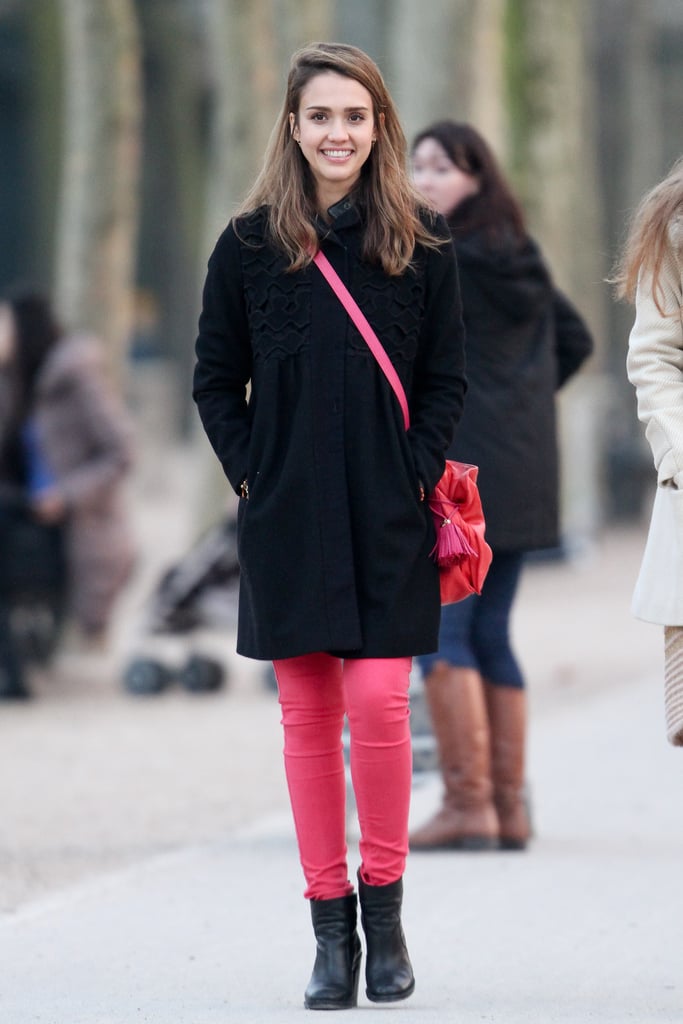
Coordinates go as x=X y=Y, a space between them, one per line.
x=65 y=451
x=523 y=341
x=334 y=535
x=651 y=273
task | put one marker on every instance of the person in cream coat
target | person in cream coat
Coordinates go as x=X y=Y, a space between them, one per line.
x=651 y=271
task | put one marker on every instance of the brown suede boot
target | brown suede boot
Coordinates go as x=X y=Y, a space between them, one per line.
x=507 y=723
x=467 y=820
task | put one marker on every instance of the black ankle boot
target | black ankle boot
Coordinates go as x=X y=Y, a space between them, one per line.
x=334 y=982
x=388 y=971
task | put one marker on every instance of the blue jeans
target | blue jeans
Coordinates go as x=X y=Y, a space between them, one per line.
x=475 y=633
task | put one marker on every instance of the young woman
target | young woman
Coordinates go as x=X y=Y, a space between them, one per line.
x=651 y=272
x=524 y=340
x=337 y=584
x=65 y=450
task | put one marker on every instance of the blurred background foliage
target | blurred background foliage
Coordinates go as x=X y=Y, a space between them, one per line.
x=130 y=128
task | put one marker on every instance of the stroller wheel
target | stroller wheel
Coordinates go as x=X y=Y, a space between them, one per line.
x=144 y=676
x=202 y=675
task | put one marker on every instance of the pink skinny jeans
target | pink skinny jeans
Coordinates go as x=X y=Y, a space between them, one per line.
x=316 y=690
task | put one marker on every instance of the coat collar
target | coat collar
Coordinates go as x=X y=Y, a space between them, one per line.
x=344 y=214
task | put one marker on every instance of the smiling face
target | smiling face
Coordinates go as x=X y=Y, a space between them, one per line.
x=439 y=179
x=335 y=128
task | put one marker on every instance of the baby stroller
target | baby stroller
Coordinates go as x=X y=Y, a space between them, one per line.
x=198 y=593
x=32 y=592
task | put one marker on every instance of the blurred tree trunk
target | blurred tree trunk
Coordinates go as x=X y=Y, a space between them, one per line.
x=46 y=132
x=465 y=81
x=172 y=198
x=99 y=196
x=486 y=100
x=240 y=66
x=552 y=97
x=439 y=32
x=639 y=56
x=552 y=137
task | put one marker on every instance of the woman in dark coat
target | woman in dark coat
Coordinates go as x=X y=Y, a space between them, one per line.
x=334 y=535
x=524 y=340
x=65 y=452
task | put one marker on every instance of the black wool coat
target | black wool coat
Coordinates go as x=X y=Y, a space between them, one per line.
x=334 y=543
x=524 y=340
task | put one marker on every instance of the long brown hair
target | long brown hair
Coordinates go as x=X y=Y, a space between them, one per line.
x=285 y=185
x=648 y=238
x=493 y=209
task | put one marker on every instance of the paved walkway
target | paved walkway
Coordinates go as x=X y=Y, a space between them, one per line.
x=153 y=874
x=584 y=927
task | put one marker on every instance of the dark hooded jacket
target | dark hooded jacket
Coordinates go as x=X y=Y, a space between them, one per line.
x=334 y=543
x=524 y=339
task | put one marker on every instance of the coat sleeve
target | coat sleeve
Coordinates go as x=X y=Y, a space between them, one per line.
x=573 y=340
x=655 y=368
x=224 y=361
x=439 y=383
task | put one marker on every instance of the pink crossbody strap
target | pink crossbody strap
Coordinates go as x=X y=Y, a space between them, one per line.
x=374 y=344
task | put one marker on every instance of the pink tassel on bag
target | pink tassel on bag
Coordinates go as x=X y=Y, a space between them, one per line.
x=451 y=543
